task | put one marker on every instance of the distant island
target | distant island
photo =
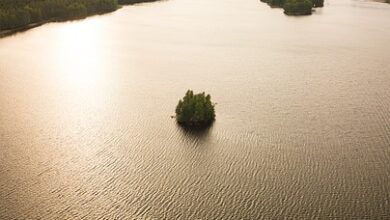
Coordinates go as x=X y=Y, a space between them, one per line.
x=195 y=110
x=17 y=15
x=295 y=7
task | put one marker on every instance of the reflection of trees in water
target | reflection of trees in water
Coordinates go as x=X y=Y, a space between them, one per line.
x=195 y=136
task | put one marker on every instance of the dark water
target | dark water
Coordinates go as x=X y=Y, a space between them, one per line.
x=303 y=119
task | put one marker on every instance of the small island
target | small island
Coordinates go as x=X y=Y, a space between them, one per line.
x=195 y=110
x=298 y=7
x=295 y=7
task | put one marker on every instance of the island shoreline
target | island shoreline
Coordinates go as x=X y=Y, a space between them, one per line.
x=9 y=32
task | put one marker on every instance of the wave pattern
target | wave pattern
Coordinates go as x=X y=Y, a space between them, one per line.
x=302 y=130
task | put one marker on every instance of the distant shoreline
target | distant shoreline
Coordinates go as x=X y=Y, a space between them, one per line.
x=27 y=27
x=382 y=1
x=8 y=32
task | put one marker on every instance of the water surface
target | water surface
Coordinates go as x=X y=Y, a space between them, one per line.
x=303 y=120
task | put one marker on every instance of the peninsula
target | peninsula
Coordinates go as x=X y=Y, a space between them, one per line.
x=25 y=14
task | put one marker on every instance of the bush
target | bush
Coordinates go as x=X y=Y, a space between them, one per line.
x=298 y=7
x=195 y=110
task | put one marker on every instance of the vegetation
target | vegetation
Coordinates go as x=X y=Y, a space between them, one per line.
x=298 y=7
x=318 y=3
x=125 y=2
x=195 y=110
x=295 y=7
x=16 y=14
x=275 y=3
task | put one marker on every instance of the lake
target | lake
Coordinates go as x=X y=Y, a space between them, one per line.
x=302 y=128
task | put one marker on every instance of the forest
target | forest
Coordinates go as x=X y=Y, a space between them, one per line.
x=21 y=13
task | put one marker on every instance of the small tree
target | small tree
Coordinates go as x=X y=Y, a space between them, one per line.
x=195 y=110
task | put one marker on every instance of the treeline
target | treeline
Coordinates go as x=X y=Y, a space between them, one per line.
x=127 y=2
x=296 y=7
x=20 y=13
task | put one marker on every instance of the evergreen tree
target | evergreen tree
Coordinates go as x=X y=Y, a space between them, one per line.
x=195 y=110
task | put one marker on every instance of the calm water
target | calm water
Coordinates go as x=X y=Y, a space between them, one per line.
x=303 y=119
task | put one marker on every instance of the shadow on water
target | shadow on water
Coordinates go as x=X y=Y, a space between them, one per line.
x=195 y=136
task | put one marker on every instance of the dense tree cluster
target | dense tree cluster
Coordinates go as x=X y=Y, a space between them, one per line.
x=195 y=110
x=14 y=14
x=296 y=7
x=20 y=13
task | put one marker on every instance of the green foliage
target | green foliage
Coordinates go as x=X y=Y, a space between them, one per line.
x=298 y=7
x=318 y=3
x=124 y=2
x=195 y=110
x=19 y=13
x=14 y=18
x=35 y=13
x=276 y=3
x=77 y=10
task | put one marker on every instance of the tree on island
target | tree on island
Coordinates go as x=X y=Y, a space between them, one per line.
x=295 y=7
x=195 y=110
x=298 y=7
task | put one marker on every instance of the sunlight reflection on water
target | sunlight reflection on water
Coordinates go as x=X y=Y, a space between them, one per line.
x=302 y=128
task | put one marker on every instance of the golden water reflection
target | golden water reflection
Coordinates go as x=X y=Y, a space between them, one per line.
x=302 y=126
x=79 y=54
